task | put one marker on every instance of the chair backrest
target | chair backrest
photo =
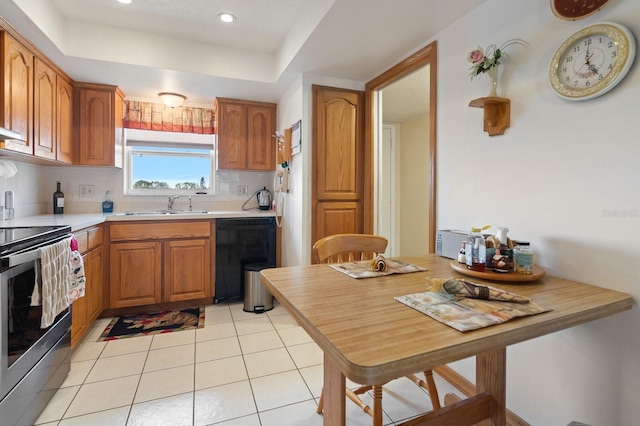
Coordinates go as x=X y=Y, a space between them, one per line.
x=348 y=248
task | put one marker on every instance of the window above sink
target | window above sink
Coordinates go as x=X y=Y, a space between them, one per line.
x=169 y=163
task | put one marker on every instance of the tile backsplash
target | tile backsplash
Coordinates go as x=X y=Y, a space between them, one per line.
x=34 y=186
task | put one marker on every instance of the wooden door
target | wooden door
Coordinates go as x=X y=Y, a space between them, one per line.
x=187 y=271
x=44 y=111
x=261 y=145
x=135 y=274
x=232 y=136
x=17 y=93
x=338 y=194
x=64 y=121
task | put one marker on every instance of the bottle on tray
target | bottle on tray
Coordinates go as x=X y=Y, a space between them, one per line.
x=475 y=249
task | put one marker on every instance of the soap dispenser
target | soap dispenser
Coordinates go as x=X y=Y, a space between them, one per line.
x=107 y=203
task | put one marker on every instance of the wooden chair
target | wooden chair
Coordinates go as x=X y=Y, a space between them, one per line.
x=350 y=248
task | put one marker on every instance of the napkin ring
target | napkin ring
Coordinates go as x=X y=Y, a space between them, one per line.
x=483 y=292
x=378 y=264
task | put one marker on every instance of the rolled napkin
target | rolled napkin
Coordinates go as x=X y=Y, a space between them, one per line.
x=468 y=289
x=378 y=263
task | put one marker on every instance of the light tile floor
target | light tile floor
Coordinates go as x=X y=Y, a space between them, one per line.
x=241 y=369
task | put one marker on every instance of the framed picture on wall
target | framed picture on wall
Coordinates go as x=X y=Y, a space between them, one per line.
x=296 y=137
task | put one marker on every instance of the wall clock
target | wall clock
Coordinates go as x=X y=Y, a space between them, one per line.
x=592 y=61
x=570 y=10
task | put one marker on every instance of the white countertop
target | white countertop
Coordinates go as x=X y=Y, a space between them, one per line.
x=84 y=220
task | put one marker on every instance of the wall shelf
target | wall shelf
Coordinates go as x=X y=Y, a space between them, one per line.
x=497 y=113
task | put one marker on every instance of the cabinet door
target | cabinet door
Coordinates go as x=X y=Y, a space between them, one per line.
x=17 y=93
x=79 y=323
x=64 y=121
x=94 y=290
x=261 y=145
x=96 y=128
x=135 y=274
x=338 y=163
x=232 y=136
x=44 y=110
x=187 y=270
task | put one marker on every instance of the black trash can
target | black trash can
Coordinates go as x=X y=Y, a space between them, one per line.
x=256 y=297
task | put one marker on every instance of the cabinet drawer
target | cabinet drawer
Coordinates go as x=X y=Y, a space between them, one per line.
x=94 y=238
x=88 y=239
x=155 y=230
x=82 y=239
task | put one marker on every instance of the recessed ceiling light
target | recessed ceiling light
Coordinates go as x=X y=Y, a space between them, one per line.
x=226 y=17
x=125 y=1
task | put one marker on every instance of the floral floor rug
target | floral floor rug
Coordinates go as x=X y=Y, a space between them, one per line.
x=153 y=323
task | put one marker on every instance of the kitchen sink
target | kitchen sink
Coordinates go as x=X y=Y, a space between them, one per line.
x=163 y=212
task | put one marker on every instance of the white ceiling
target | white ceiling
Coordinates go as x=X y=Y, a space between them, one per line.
x=151 y=46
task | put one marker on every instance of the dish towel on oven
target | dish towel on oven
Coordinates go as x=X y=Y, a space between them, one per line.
x=53 y=277
x=78 y=281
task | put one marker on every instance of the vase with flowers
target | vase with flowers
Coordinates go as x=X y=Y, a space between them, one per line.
x=488 y=61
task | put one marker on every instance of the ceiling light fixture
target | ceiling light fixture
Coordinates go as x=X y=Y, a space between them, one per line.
x=172 y=99
x=226 y=17
x=125 y=1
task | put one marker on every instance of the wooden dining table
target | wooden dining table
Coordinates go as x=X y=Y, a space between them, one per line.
x=369 y=337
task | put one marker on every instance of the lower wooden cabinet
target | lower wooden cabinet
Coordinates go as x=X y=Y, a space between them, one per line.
x=86 y=310
x=136 y=274
x=187 y=270
x=153 y=263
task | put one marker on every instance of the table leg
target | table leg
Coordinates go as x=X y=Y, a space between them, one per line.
x=491 y=376
x=334 y=395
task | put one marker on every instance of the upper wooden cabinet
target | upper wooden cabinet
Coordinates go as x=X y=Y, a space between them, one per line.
x=64 y=121
x=17 y=93
x=245 y=134
x=99 y=125
x=37 y=103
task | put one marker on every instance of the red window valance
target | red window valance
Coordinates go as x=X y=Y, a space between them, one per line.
x=163 y=118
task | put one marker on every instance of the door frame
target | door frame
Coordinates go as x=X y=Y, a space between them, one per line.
x=426 y=55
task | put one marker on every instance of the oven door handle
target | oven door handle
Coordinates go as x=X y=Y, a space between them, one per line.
x=30 y=254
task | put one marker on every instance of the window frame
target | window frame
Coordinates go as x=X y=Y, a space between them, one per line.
x=156 y=139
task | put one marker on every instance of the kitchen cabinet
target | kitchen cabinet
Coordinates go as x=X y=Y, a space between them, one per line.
x=37 y=103
x=246 y=132
x=156 y=262
x=17 y=93
x=99 y=125
x=87 y=309
x=64 y=121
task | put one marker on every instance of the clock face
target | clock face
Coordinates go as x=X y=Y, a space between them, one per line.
x=592 y=61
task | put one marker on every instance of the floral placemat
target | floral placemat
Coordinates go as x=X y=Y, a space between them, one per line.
x=466 y=313
x=364 y=269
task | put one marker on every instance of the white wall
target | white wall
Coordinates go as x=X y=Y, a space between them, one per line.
x=550 y=179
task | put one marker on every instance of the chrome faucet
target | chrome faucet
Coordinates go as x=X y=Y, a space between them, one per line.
x=171 y=201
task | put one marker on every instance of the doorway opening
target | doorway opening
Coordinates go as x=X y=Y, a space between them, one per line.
x=405 y=185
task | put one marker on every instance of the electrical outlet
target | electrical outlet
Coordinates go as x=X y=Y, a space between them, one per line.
x=87 y=191
x=243 y=190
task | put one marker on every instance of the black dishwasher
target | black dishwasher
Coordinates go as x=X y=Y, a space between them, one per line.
x=239 y=242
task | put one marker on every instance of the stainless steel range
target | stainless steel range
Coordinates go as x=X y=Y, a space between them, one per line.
x=33 y=361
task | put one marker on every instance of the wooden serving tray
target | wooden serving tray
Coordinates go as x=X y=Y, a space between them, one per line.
x=538 y=273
